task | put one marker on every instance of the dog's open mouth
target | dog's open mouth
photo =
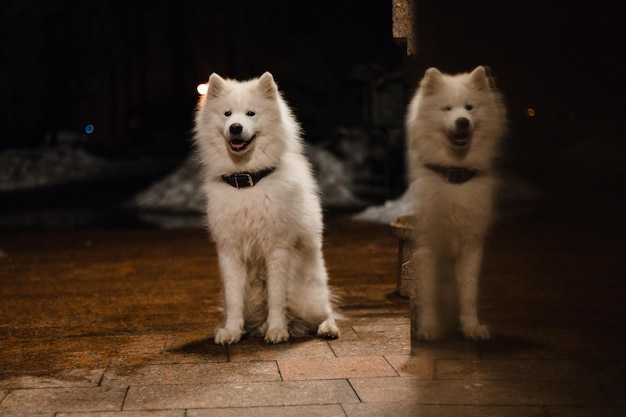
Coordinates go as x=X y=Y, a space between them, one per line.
x=460 y=139
x=237 y=144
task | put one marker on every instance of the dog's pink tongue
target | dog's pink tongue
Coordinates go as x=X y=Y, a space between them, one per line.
x=237 y=144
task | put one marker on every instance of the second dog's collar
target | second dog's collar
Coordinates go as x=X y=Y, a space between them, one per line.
x=454 y=175
x=246 y=179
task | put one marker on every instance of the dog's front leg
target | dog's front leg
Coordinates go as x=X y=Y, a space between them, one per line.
x=279 y=270
x=467 y=273
x=233 y=274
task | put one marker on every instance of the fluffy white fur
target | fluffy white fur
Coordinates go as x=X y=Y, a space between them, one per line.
x=452 y=219
x=268 y=237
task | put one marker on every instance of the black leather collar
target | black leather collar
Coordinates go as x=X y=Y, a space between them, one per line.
x=246 y=179
x=454 y=175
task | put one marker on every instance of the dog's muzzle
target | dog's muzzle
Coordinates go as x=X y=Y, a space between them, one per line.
x=237 y=142
x=462 y=133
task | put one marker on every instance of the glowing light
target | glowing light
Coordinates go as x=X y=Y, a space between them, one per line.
x=530 y=112
x=89 y=129
x=202 y=88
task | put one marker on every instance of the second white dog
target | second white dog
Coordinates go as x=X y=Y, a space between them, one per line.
x=454 y=126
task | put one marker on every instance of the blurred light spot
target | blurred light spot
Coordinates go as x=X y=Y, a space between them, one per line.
x=89 y=129
x=530 y=112
x=202 y=88
x=572 y=116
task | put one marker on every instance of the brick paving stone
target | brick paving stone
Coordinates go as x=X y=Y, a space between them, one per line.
x=255 y=349
x=398 y=319
x=586 y=343
x=519 y=342
x=150 y=413
x=253 y=394
x=455 y=348
x=387 y=389
x=68 y=378
x=389 y=331
x=413 y=366
x=478 y=392
x=20 y=414
x=334 y=410
x=380 y=346
x=62 y=400
x=335 y=368
x=586 y=411
x=347 y=332
x=193 y=346
x=408 y=409
x=612 y=382
x=194 y=373
x=87 y=352
x=504 y=369
x=395 y=409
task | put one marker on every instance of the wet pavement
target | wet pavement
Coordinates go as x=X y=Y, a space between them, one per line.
x=119 y=322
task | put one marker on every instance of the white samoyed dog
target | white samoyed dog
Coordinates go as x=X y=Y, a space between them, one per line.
x=263 y=212
x=454 y=126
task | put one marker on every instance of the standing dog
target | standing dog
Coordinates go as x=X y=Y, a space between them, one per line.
x=263 y=212
x=454 y=126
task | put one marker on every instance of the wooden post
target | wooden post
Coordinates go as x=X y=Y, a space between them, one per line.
x=404 y=229
x=403 y=24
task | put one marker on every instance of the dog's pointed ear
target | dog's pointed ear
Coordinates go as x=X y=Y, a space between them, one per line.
x=216 y=85
x=480 y=78
x=267 y=86
x=430 y=82
x=491 y=78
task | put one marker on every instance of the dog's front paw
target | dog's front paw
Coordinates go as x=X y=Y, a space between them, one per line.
x=328 y=329
x=428 y=332
x=276 y=335
x=478 y=332
x=226 y=337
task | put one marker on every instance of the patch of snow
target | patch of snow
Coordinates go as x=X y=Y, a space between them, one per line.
x=333 y=178
x=180 y=191
x=389 y=211
x=24 y=169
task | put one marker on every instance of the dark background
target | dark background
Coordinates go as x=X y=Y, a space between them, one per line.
x=131 y=68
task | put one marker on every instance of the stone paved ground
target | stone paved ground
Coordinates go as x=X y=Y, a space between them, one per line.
x=118 y=323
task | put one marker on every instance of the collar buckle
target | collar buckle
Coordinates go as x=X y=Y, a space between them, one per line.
x=249 y=181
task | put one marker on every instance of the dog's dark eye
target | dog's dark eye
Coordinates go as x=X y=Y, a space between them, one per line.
x=469 y=107
x=446 y=108
x=228 y=113
x=250 y=113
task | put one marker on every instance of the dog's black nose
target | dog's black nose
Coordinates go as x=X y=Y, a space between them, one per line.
x=461 y=123
x=235 y=128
